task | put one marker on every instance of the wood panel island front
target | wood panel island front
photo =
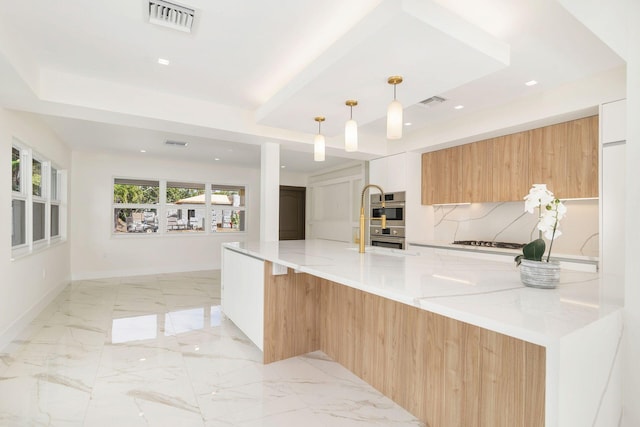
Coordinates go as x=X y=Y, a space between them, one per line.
x=455 y=339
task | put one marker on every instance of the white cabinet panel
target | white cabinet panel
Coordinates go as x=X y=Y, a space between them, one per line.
x=243 y=294
x=612 y=197
x=613 y=121
x=612 y=203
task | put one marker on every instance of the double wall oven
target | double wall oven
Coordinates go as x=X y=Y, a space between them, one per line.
x=393 y=236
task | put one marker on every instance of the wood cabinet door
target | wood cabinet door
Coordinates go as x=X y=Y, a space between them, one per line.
x=510 y=159
x=565 y=157
x=582 y=158
x=477 y=171
x=442 y=176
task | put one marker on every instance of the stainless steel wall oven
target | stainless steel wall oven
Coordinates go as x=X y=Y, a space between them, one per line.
x=393 y=236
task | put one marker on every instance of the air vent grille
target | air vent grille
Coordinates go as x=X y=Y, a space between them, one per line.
x=171 y=15
x=432 y=102
x=176 y=143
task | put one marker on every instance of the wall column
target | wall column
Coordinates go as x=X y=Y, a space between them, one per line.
x=270 y=192
x=631 y=376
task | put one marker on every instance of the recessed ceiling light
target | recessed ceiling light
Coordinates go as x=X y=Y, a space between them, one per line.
x=531 y=83
x=163 y=61
x=282 y=167
x=458 y=107
x=408 y=124
x=143 y=151
x=216 y=158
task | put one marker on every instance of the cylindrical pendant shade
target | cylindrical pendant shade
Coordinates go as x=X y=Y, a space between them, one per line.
x=351 y=136
x=394 y=120
x=318 y=148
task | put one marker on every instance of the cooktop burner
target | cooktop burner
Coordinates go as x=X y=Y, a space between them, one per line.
x=483 y=243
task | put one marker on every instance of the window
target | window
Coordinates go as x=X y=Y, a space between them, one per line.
x=18 y=200
x=18 y=231
x=39 y=201
x=54 y=214
x=36 y=200
x=135 y=206
x=185 y=207
x=36 y=177
x=191 y=208
x=227 y=208
x=15 y=170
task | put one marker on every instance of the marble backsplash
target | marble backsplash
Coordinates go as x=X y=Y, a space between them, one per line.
x=508 y=222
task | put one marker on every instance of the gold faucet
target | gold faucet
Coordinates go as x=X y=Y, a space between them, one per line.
x=382 y=218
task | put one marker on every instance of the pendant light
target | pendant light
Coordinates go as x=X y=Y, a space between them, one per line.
x=394 y=112
x=318 y=142
x=351 y=129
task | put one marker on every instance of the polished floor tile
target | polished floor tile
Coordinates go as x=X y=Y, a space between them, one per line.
x=158 y=351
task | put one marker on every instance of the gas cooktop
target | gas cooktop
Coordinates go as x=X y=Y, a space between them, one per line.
x=487 y=244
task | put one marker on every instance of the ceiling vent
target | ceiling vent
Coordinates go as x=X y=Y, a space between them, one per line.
x=171 y=15
x=176 y=143
x=432 y=102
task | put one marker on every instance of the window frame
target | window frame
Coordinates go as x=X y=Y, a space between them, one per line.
x=163 y=207
x=26 y=195
x=135 y=206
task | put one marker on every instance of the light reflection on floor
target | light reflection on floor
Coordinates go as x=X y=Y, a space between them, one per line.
x=158 y=351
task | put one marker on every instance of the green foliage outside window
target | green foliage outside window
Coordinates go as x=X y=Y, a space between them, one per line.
x=140 y=194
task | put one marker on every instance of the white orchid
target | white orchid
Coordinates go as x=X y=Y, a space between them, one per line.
x=550 y=212
x=550 y=218
x=538 y=196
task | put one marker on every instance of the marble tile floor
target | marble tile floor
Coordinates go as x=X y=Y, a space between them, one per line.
x=157 y=351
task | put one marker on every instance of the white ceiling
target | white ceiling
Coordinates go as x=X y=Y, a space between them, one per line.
x=254 y=71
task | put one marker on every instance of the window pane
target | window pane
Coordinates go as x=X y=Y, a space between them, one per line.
x=18 y=235
x=15 y=169
x=54 y=184
x=224 y=199
x=135 y=220
x=184 y=193
x=227 y=220
x=38 y=221
x=55 y=220
x=136 y=191
x=185 y=218
x=36 y=178
x=227 y=195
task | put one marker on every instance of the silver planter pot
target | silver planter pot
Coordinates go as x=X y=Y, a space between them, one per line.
x=540 y=274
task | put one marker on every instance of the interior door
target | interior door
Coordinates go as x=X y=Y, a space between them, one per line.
x=292 y=212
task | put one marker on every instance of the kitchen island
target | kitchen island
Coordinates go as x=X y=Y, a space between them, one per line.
x=455 y=339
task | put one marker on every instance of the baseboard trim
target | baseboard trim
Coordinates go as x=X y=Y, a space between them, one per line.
x=20 y=324
x=96 y=275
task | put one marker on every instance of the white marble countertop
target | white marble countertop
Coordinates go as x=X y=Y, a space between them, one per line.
x=465 y=286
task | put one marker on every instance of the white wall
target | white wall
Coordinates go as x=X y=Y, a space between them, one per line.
x=293 y=179
x=32 y=281
x=95 y=252
x=333 y=203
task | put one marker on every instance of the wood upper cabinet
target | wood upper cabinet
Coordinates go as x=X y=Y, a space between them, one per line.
x=477 y=172
x=442 y=176
x=563 y=156
x=511 y=155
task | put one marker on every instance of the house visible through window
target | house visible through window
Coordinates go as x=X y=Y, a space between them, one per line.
x=227 y=208
x=186 y=207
